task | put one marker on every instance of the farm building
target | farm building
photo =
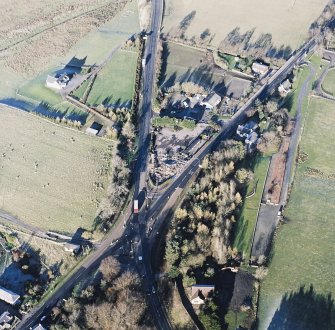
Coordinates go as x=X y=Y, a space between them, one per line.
x=260 y=68
x=94 y=129
x=9 y=296
x=211 y=101
x=73 y=248
x=57 y=82
x=200 y=293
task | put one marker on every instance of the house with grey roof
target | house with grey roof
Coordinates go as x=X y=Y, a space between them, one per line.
x=211 y=101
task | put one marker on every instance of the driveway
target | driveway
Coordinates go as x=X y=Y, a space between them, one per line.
x=268 y=214
x=265 y=228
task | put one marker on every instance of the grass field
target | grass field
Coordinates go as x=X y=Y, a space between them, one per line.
x=97 y=45
x=49 y=173
x=286 y=21
x=328 y=84
x=115 y=83
x=291 y=100
x=188 y=64
x=83 y=33
x=247 y=221
x=303 y=251
x=36 y=92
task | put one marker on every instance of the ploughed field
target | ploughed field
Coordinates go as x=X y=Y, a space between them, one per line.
x=51 y=176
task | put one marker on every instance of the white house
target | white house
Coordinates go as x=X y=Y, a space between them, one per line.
x=284 y=88
x=260 y=68
x=200 y=293
x=9 y=296
x=211 y=101
x=57 y=82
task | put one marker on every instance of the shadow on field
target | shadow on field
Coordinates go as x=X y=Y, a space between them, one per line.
x=304 y=310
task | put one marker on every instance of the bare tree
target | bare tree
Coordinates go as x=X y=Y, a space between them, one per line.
x=109 y=267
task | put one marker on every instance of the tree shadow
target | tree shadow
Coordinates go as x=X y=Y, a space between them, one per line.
x=165 y=56
x=304 y=310
x=244 y=44
x=186 y=21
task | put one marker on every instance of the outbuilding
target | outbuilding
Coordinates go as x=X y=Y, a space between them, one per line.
x=200 y=293
x=260 y=68
x=73 y=248
x=211 y=101
x=9 y=296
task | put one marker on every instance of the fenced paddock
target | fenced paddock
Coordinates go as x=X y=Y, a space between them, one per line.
x=51 y=176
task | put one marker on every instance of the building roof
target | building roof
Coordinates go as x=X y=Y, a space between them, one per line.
x=5 y=317
x=71 y=247
x=201 y=291
x=259 y=67
x=39 y=327
x=285 y=86
x=91 y=130
x=8 y=296
x=243 y=131
x=212 y=99
x=51 y=80
x=252 y=138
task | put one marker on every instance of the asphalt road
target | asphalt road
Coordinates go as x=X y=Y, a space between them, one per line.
x=268 y=214
x=228 y=129
x=144 y=267
x=105 y=249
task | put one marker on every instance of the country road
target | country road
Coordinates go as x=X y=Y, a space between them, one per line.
x=141 y=220
x=268 y=214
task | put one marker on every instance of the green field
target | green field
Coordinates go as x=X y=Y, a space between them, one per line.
x=247 y=221
x=183 y=63
x=303 y=251
x=98 y=44
x=79 y=92
x=49 y=173
x=291 y=100
x=328 y=84
x=35 y=92
x=115 y=83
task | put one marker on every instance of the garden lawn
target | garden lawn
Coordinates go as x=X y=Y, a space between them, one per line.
x=328 y=84
x=49 y=173
x=291 y=100
x=46 y=101
x=79 y=92
x=303 y=252
x=115 y=83
x=247 y=221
